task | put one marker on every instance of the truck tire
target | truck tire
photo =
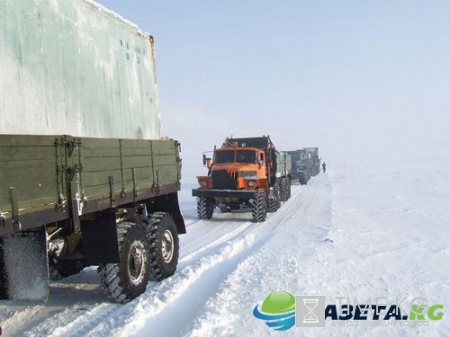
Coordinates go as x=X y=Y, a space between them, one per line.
x=162 y=236
x=289 y=187
x=284 y=189
x=302 y=179
x=128 y=279
x=259 y=207
x=279 y=197
x=274 y=199
x=205 y=208
x=3 y=275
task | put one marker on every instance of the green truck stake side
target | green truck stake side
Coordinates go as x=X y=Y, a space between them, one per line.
x=85 y=177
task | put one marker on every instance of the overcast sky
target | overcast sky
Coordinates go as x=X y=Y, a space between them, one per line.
x=364 y=80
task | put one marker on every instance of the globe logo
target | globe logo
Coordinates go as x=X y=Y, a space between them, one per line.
x=277 y=310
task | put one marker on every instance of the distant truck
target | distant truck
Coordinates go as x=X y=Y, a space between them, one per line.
x=245 y=173
x=305 y=164
x=85 y=177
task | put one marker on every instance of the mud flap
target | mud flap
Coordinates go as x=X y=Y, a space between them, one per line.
x=24 y=266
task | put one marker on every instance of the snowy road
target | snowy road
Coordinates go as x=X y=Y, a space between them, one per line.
x=355 y=234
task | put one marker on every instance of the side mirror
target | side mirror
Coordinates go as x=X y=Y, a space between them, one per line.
x=204 y=159
x=208 y=163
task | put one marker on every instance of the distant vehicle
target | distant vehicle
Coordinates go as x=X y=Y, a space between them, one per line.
x=245 y=173
x=85 y=177
x=305 y=164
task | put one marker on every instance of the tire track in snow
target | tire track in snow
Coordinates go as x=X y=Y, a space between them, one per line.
x=166 y=295
x=211 y=226
x=215 y=252
x=203 y=274
x=199 y=251
x=209 y=277
x=67 y=301
x=8 y=317
x=271 y=268
x=74 y=322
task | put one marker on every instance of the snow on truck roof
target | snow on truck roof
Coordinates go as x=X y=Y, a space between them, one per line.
x=115 y=15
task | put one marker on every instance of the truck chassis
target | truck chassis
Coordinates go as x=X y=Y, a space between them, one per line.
x=68 y=203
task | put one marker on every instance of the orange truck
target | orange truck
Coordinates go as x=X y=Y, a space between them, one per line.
x=244 y=174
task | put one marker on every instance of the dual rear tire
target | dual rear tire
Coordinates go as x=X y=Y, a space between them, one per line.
x=148 y=251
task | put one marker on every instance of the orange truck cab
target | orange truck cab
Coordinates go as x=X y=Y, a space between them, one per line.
x=243 y=174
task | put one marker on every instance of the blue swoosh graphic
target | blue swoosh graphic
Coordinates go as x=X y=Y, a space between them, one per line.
x=282 y=325
x=260 y=315
x=279 y=322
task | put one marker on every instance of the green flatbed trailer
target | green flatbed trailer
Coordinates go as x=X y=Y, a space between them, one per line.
x=71 y=195
x=46 y=179
x=85 y=178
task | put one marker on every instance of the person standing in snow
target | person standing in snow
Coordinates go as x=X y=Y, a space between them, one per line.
x=324 y=167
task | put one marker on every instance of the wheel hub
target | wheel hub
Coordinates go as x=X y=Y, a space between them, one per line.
x=167 y=246
x=136 y=262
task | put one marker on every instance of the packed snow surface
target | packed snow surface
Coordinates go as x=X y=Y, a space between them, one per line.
x=357 y=231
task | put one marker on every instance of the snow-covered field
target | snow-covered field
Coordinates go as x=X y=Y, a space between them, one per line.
x=357 y=231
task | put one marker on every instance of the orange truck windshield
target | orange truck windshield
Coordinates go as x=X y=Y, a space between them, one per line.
x=235 y=156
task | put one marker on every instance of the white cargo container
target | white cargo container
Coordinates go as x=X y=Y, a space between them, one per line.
x=73 y=67
x=85 y=178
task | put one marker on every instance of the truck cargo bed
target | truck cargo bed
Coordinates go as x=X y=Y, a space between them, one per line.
x=51 y=178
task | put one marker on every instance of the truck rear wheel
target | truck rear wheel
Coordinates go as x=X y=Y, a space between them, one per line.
x=259 y=207
x=284 y=189
x=205 y=208
x=162 y=236
x=279 y=197
x=128 y=279
x=274 y=199
x=289 y=187
x=3 y=274
x=302 y=179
